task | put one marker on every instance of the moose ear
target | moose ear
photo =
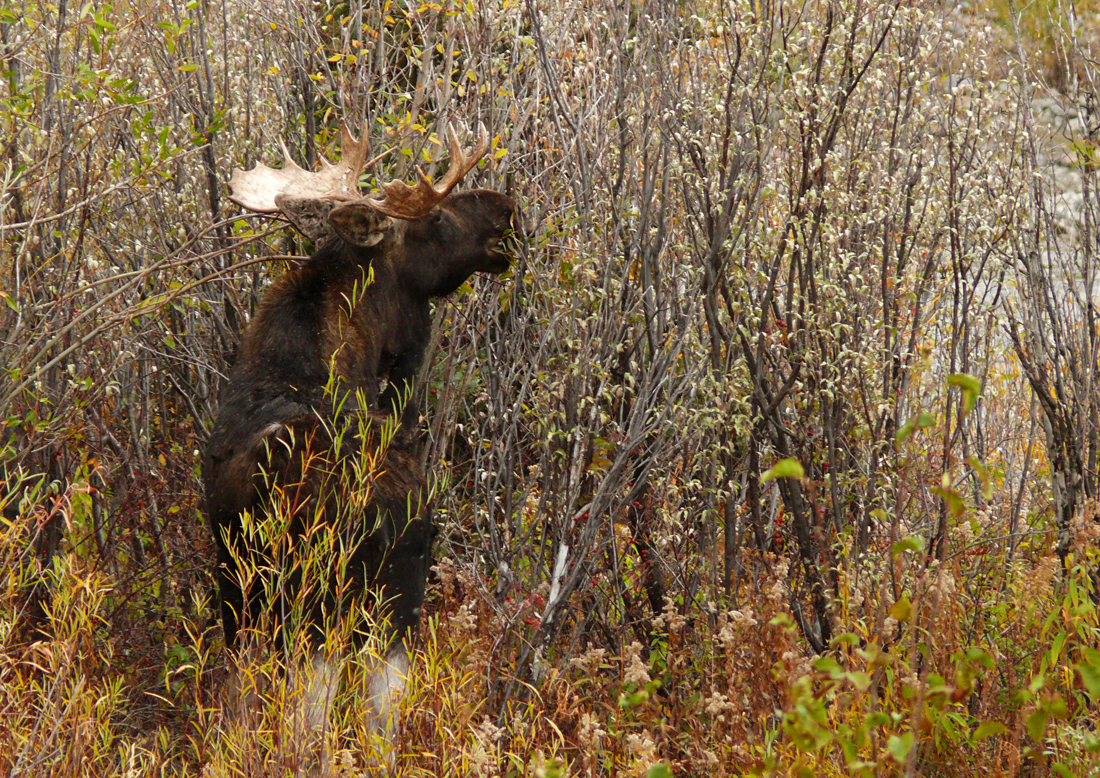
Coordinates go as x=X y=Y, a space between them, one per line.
x=359 y=224
x=309 y=216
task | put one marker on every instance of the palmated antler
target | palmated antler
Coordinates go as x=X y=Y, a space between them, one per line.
x=257 y=188
x=262 y=188
x=402 y=201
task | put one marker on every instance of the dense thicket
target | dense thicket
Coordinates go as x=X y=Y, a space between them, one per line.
x=775 y=452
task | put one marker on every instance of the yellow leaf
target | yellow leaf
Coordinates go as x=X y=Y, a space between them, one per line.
x=784 y=468
x=901 y=609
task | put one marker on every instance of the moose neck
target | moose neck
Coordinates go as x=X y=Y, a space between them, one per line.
x=442 y=279
x=325 y=317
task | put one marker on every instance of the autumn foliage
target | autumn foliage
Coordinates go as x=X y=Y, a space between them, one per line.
x=775 y=453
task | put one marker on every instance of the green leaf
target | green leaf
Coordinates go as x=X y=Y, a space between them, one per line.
x=988 y=729
x=827 y=664
x=784 y=468
x=955 y=505
x=1090 y=672
x=899 y=747
x=902 y=609
x=970 y=387
x=860 y=680
x=979 y=655
x=878 y=719
x=919 y=422
x=804 y=729
x=846 y=639
x=938 y=692
x=659 y=770
x=1037 y=724
x=633 y=699
x=1056 y=646
x=1036 y=684
x=874 y=656
x=911 y=543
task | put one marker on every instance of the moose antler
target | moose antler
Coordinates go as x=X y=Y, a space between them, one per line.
x=260 y=188
x=256 y=189
x=402 y=201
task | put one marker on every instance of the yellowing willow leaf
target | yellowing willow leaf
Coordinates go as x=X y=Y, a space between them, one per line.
x=784 y=468
x=970 y=387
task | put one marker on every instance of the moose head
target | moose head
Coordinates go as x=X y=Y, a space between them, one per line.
x=417 y=242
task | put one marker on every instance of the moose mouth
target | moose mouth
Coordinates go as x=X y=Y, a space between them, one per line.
x=502 y=242
x=499 y=253
x=503 y=248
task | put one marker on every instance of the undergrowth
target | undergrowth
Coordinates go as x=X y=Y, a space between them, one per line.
x=966 y=670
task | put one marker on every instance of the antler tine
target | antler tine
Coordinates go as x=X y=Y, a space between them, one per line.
x=359 y=148
x=256 y=189
x=461 y=163
x=288 y=161
x=402 y=201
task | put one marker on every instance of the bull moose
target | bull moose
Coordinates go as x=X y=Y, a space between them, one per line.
x=323 y=379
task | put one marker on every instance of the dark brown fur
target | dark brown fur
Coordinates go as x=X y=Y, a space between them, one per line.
x=325 y=335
